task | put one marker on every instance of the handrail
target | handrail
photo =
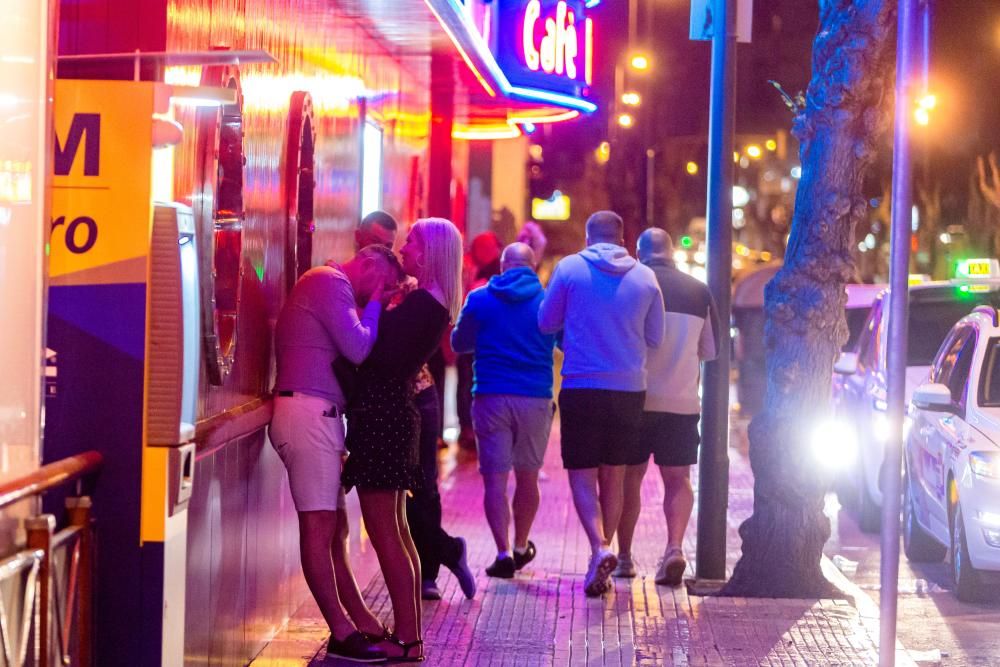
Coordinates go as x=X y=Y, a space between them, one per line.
x=49 y=476
x=237 y=422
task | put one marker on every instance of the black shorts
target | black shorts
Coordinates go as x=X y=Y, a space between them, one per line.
x=671 y=438
x=599 y=426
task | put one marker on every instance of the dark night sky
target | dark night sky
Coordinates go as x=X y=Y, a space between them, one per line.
x=965 y=73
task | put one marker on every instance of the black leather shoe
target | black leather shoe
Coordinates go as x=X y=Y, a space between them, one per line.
x=502 y=568
x=528 y=556
x=356 y=647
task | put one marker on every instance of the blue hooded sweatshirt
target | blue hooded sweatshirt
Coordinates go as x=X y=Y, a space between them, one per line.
x=499 y=324
x=610 y=309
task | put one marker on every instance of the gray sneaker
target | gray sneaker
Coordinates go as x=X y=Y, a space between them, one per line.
x=626 y=567
x=670 y=570
x=602 y=564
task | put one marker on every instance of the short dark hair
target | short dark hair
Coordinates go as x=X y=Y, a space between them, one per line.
x=380 y=218
x=381 y=252
x=605 y=225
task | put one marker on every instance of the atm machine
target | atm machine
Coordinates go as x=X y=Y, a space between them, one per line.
x=123 y=326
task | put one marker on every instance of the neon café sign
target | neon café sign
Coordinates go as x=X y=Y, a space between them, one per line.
x=535 y=50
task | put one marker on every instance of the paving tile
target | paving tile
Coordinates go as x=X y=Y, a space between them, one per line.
x=541 y=617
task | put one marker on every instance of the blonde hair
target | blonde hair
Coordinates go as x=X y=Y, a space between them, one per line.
x=442 y=260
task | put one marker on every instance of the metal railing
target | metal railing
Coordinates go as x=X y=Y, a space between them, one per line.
x=51 y=619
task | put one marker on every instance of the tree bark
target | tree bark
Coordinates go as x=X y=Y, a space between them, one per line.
x=846 y=112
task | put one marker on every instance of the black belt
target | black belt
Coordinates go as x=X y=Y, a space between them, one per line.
x=333 y=411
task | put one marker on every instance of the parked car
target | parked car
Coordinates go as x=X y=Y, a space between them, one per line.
x=859 y=383
x=951 y=490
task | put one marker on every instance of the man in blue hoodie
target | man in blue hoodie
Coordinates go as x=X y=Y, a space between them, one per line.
x=609 y=309
x=512 y=405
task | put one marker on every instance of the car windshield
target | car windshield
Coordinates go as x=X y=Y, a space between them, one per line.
x=990 y=389
x=931 y=319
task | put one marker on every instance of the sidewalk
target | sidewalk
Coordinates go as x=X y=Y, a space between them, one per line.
x=543 y=618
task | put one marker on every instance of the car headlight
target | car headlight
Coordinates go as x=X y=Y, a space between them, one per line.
x=834 y=444
x=985 y=464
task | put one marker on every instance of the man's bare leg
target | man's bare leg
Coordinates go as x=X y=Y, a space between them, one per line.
x=347 y=584
x=526 y=501
x=583 y=484
x=497 y=508
x=316 y=532
x=678 y=501
x=612 y=487
x=631 y=507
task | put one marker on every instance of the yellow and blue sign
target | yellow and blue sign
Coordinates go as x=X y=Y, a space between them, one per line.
x=99 y=245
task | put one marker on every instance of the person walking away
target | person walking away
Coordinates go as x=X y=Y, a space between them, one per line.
x=435 y=547
x=609 y=309
x=671 y=411
x=512 y=398
x=482 y=262
x=384 y=425
x=318 y=323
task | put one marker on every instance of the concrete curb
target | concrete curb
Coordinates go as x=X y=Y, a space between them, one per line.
x=868 y=609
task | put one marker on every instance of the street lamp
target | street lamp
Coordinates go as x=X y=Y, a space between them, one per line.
x=626 y=120
x=754 y=151
x=631 y=99
x=640 y=62
x=926 y=104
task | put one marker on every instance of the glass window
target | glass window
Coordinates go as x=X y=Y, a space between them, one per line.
x=946 y=357
x=959 y=379
x=990 y=389
x=866 y=342
x=931 y=319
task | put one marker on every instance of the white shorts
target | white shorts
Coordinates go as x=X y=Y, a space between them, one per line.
x=311 y=445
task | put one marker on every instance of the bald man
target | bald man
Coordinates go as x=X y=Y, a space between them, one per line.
x=609 y=309
x=512 y=398
x=671 y=411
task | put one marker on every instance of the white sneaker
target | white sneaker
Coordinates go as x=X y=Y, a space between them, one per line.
x=625 y=568
x=602 y=564
x=670 y=570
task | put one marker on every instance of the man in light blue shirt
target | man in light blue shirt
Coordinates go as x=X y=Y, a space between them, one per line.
x=609 y=310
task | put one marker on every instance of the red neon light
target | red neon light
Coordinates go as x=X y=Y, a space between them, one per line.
x=558 y=50
x=588 y=67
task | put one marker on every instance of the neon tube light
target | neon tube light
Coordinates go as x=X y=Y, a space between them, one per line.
x=487 y=134
x=454 y=40
x=482 y=51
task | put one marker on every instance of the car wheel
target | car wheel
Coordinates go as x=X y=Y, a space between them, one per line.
x=968 y=586
x=917 y=544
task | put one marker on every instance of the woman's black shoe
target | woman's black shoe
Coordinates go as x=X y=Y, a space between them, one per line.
x=520 y=560
x=416 y=646
x=356 y=647
x=502 y=568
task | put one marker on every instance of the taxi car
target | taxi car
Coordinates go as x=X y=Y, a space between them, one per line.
x=951 y=489
x=860 y=381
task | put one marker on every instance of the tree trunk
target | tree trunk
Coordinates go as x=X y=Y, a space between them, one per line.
x=846 y=112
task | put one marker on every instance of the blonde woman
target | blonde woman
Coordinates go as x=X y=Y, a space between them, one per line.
x=384 y=424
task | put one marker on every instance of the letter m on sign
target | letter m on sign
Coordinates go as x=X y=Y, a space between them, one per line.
x=86 y=127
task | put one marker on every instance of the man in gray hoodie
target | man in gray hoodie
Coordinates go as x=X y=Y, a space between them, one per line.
x=609 y=309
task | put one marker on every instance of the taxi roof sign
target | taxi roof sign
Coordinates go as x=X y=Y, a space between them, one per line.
x=978 y=268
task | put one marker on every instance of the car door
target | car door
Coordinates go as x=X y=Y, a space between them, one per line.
x=950 y=430
x=923 y=453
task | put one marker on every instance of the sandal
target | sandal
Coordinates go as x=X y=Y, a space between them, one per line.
x=407 y=647
x=386 y=635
